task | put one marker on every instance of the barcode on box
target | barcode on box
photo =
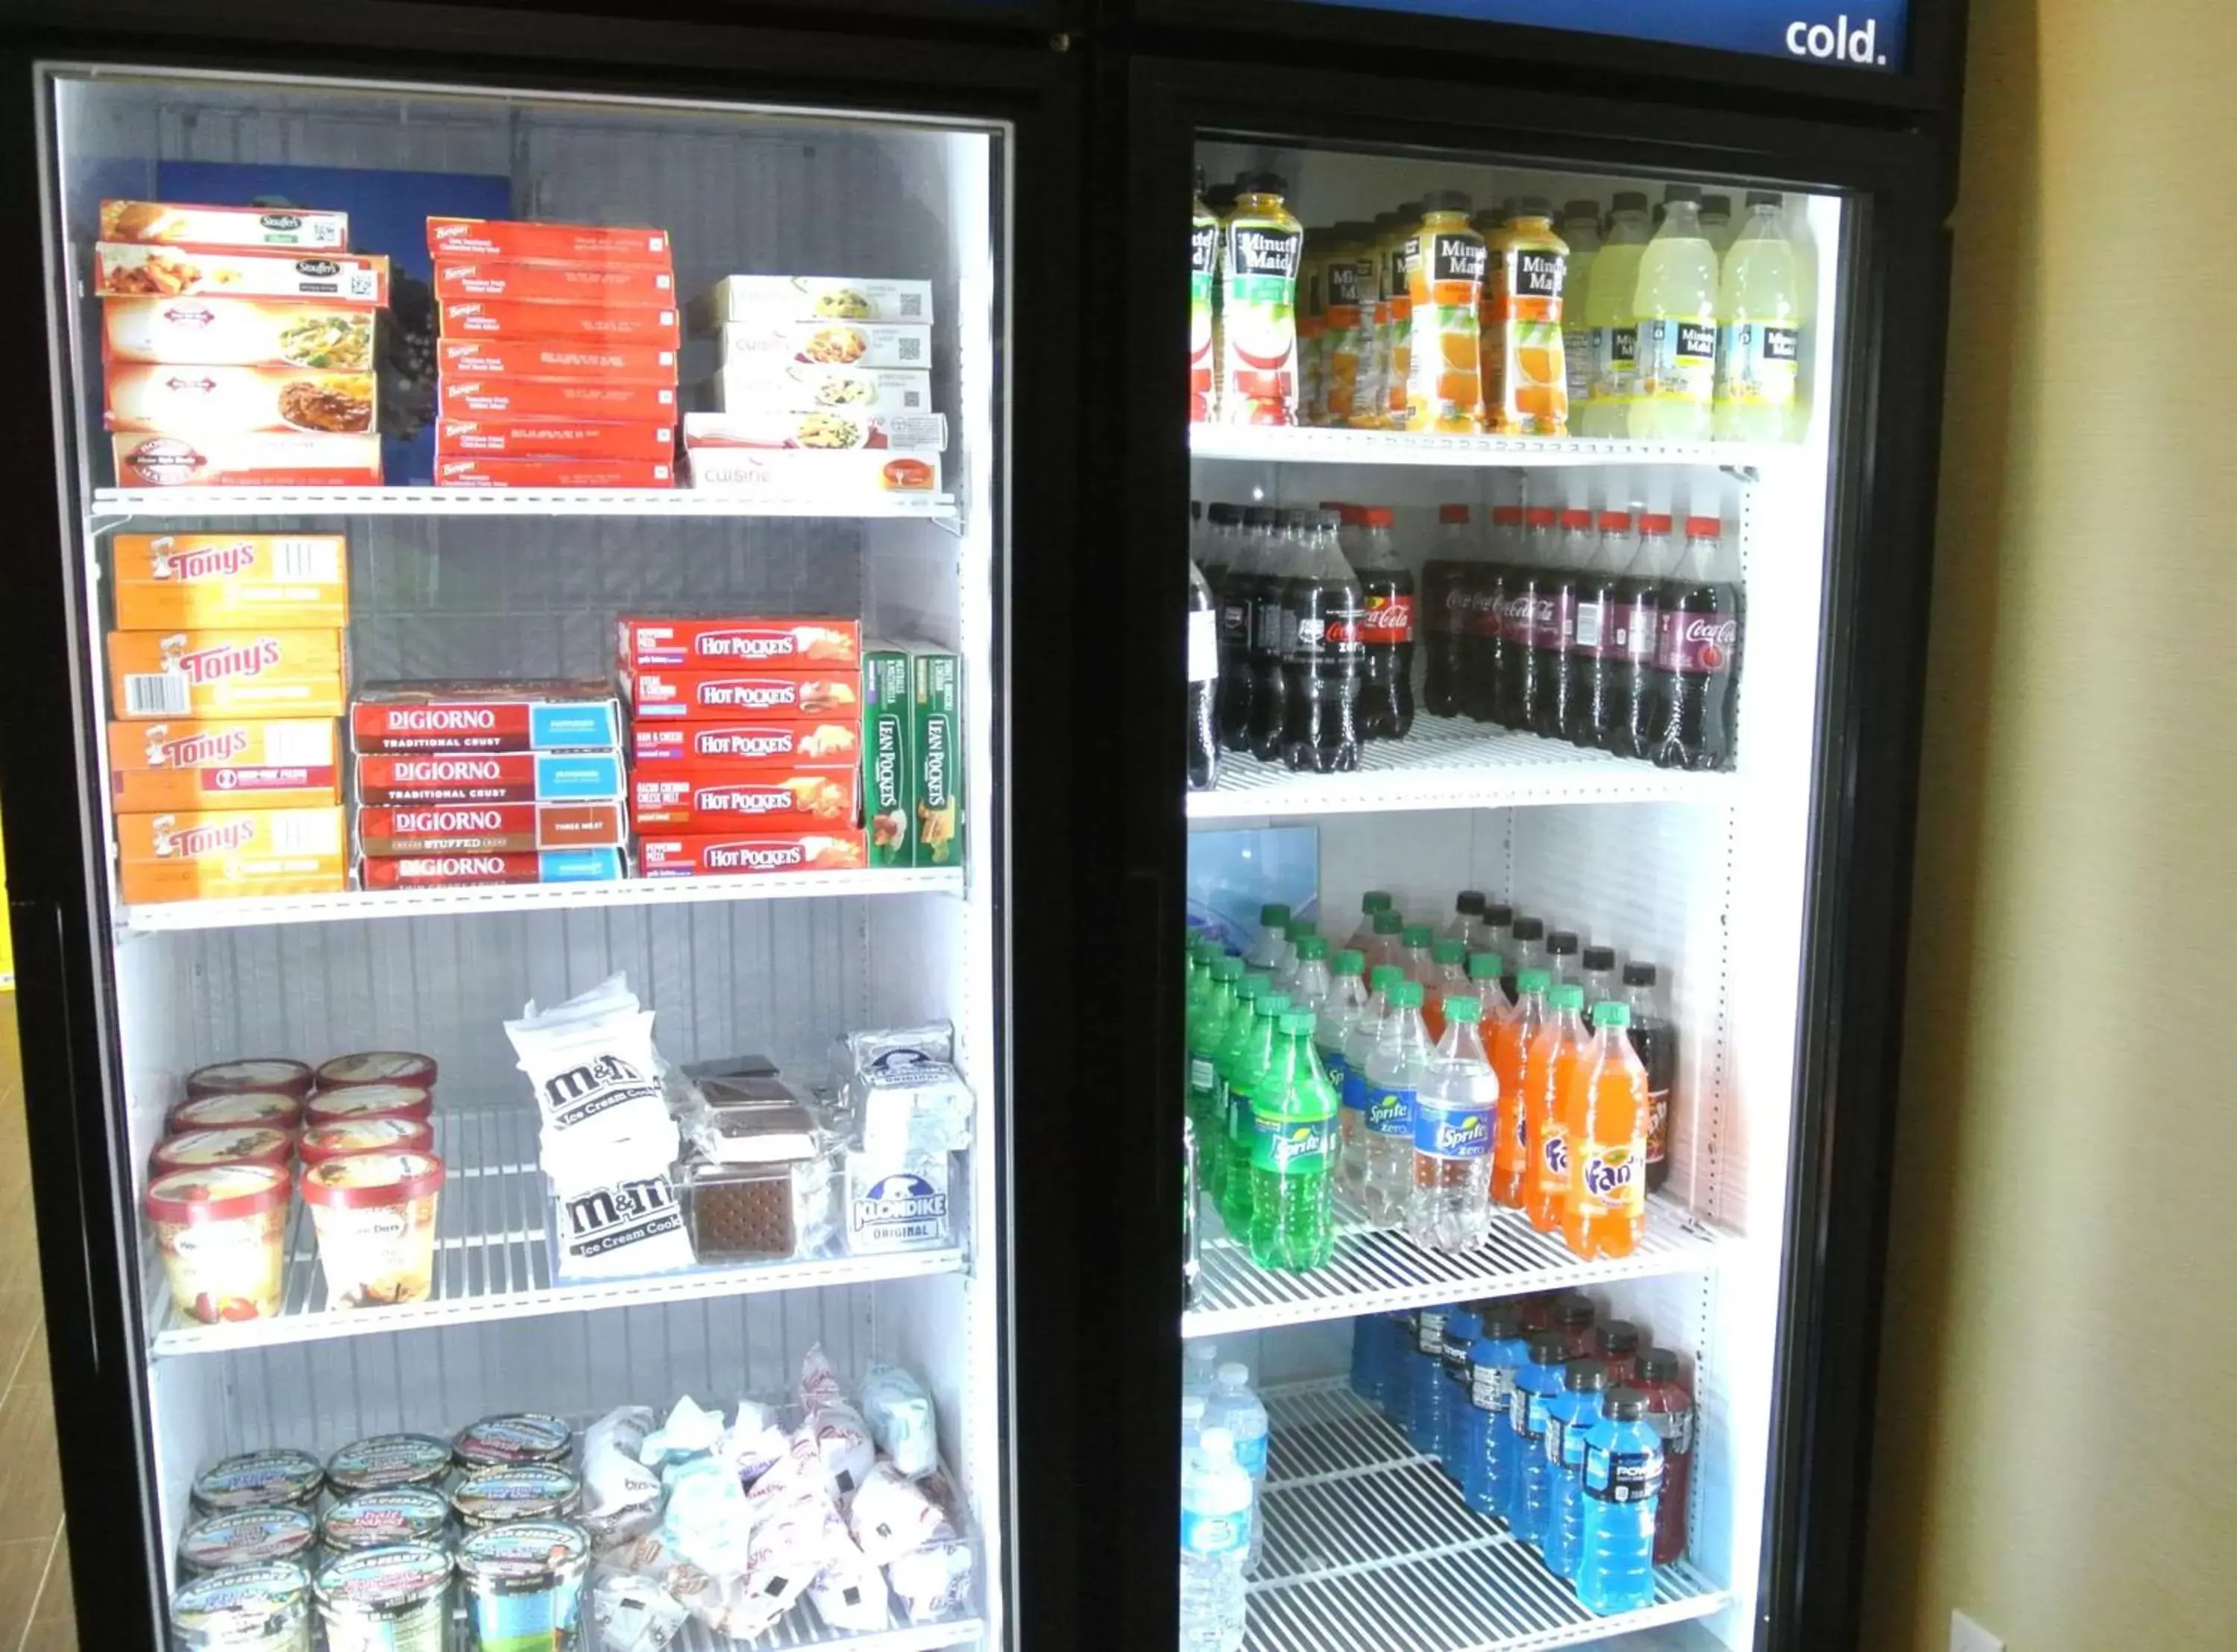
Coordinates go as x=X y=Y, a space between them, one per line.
x=912 y=306
x=157 y=693
x=292 y=746
x=911 y=349
x=313 y=832
x=912 y=398
x=317 y=561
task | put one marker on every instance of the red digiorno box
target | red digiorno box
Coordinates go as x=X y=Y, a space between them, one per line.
x=487 y=829
x=718 y=856
x=700 y=644
x=685 y=800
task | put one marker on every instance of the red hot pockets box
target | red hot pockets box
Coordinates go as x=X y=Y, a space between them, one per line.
x=488 y=828
x=743 y=745
x=683 y=799
x=730 y=696
x=721 y=856
x=475 y=716
x=490 y=777
x=701 y=644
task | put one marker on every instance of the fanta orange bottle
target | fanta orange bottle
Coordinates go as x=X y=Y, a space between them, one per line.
x=1608 y=1143
x=1564 y=1049
x=1513 y=1042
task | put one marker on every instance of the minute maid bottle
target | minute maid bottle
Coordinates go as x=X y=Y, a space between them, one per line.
x=1203 y=274
x=1759 y=339
x=1259 y=308
x=1677 y=310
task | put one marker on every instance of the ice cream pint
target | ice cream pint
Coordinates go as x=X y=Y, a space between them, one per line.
x=220 y=1231
x=374 y=1213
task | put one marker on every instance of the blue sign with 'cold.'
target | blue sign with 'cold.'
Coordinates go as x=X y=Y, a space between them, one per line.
x=1861 y=33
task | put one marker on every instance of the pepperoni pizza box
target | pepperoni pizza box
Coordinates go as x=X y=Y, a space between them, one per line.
x=743 y=745
x=232 y=763
x=472 y=871
x=695 y=800
x=476 y=715
x=540 y=473
x=487 y=829
x=490 y=777
x=221 y=854
x=661 y=694
x=702 y=643
x=231 y=672
x=512 y=319
x=182 y=582
x=553 y=438
x=717 y=855
x=519 y=240
x=126 y=270
x=575 y=360
x=586 y=399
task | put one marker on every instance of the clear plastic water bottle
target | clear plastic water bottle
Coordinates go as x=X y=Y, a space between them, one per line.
x=1358 y=1048
x=1394 y=1076
x=1233 y=1407
x=1466 y=925
x=1488 y=1485
x=1337 y=1014
x=1191 y=1422
x=1415 y=957
x=1295 y=934
x=1622 y=1485
x=1374 y=901
x=1536 y=1383
x=1462 y=1327
x=1309 y=983
x=1216 y=1532
x=1456 y=1107
x=1199 y=1364
x=1569 y=1421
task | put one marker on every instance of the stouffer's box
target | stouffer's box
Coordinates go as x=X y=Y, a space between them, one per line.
x=488 y=828
x=661 y=694
x=226 y=672
x=203 y=330
x=171 y=223
x=515 y=240
x=221 y=854
x=180 y=582
x=461 y=715
x=702 y=643
x=700 y=800
x=219 y=459
x=280 y=763
x=722 y=855
x=124 y=270
x=472 y=871
x=143 y=396
x=743 y=745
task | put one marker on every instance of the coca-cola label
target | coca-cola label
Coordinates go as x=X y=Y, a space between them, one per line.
x=1638 y=632
x=1589 y=632
x=1234 y=624
x=1333 y=631
x=1487 y=613
x=1557 y=619
x=1518 y=620
x=1697 y=645
x=1387 y=619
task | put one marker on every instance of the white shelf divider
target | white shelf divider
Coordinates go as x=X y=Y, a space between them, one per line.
x=1303 y=445
x=189 y=505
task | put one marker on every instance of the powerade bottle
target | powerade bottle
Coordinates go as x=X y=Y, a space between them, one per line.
x=1235 y=1036
x=1425 y=1379
x=1394 y=1078
x=1358 y=1045
x=1569 y=1419
x=1462 y=1327
x=1487 y=1486
x=1254 y=1066
x=1536 y=1385
x=1294 y=1117
x=1623 y=1486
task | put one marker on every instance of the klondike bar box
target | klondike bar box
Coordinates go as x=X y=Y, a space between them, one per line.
x=936 y=756
x=888 y=803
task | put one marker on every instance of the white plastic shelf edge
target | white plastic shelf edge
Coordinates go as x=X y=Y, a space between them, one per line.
x=192 y=504
x=1303 y=445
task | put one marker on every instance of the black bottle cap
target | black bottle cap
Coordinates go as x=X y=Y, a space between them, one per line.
x=1585 y=1376
x=1548 y=1350
x=1718 y=203
x=1530 y=929
x=1258 y=515
x=1500 y=913
x=1765 y=198
x=1501 y=1323
x=1659 y=1365
x=1574 y=1310
x=1630 y=200
x=1226 y=515
x=1625 y=1406
x=1581 y=208
x=1471 y=902
x=1534 y=206
x=1448 y=200
x=1674 y=193
x=1561 y=943
x=1600 y=957
x=1264 y=183
x=1638 y=975
x=1620 y=1337
x=1292 y=516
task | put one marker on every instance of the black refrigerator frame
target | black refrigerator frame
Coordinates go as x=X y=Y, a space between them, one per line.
x=1870 y=675
x=51 y=678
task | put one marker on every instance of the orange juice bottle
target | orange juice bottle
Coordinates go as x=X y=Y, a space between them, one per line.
x=1348 y=299
x=1400 y=250
x=1445 y=297
x=1258 y=305
x=1556 y=1070
x=1203 y=278
x=1513 y=1042
x=1491 y=338
x=1529 y=394
x=1312 y=326
x=1608 y=1143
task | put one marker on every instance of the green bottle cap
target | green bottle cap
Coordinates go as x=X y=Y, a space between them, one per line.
x=1389 y=923
x=1568 y=996
x=1459 y=1009
x=1386 y=976
x=1407 y=995
x=1273 y=1004
x=1311 y=947
x=1271 y=914
x=1374 y=901
x=1611 y=1014
x=1486 y=966
x=1302 y=927
x=1297 y=1024
x=1449 y=952
x=1227 y=967
x=1532 y=981
x=1417 y=935
x=1349 y=962
x=1250 y=986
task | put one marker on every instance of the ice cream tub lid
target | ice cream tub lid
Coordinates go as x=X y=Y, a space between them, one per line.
x=235 y=1109
x=217 y=1193
x=258 y=1479
x=246 y=1536
x=264 y=1072
x=252 y=1145
x=378 y=1066
x=397 y=1514
x=519 y=1436
x=513 y=1492
x=358 y=1181
x=324 y=1141
x=241 y=1605
x=389 y=1581
x=382 y=1460
x=524 y=1557
x=369 y=1101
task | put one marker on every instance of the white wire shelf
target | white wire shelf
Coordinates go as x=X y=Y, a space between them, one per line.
x=1450 y=763
x=199 y=505
x=1300 y=445
x=529 y=898
x=491 y=1259
x=1369 y=1549
x=1381 y=1271
x=802 y=1628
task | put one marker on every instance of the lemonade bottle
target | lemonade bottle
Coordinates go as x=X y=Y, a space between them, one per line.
x=1530 y=395
x=1258 y=305
x=1400 y=250
x=1759 y=341
x=1445 y=275
x=1676 y=311
x=1608 y=313
x=1203 y=274
x=1581 y=227
x=1348 y=287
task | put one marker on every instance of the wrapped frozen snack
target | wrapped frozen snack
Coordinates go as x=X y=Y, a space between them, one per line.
x=632 y=1614
x=705 y=1524
x=895 y=1202
x=621 y=1496
x=893 y=1515
x=936 y=1581
x=618 y=1229
x=755 y=1441
x=591 y=1065
x=900 y=1418
x=843 y=1438
x=849 y=1593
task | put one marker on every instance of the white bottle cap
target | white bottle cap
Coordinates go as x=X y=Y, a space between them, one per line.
x=1234 y=1374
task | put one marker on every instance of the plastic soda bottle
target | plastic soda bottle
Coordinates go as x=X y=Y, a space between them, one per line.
x=1608 y=1143
x=1670 y=1408
x=1677 y=309
x=1414 y=958
x=1569 y=1421
x=1623 y=1486
x=1557 y=1062
x=1580 y=228
x=1445 y=276
x=1265 y=949
x=1455 y=1113
x=1483 y=969
x=1358 y=1047
x=1525 y=950
x=1513 y=1042
x=1258 y=305
x=1463 y=1328
x=1232 y=1406
x=1467 y=921
x=1216 y=1522
x=1203 y=274
x=1340 y=1008
x=1537 y=1382
x=1572 y=1316
x=1488 y=1484
x=1448 y=976
x=1374 y=901
x=1496 y=932
x=1526 y=384
x=1654 y=1036
x=1255 y=1052
x=1388 y=946
x=1759 y=331
x=1208 y=1090
x=1295 y=933
x=1616 y=1345
x=1292 y=1154
x=1394 y=1081
x=1610 y=298
x=1311 y=988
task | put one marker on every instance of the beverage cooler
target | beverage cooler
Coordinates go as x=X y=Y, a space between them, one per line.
x=519 y=715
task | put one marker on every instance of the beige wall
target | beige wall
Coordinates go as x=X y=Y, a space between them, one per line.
x=2057 y=1450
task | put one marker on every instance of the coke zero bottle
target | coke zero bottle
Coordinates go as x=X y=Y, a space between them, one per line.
x=1203 y=684
x=1386 y=590
x=1239 y=589
x=1325 y=655
x=1527 y=607
x=1557 y=632
x=1485 y=666
x=1591 y=654
x=1270 y=633
x=1698 y=670
x=1444 y=609
x=1634 y=726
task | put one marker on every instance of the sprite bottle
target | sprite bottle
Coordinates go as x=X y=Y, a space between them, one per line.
x=1254 y=1064
x=1234 y=1033
x=1293 y=1154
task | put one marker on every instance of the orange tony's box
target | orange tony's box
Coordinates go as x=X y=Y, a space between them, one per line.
x=719 y=855
x=176 y=581
x=647 y=286
x=553 y=439
x=575 y=359
x=518 y=241
x=686 y=799
x=510 y=319
x=595 y=399
x=230 y=673
x=700 y=644
x=727 y=696
x=217 y=854
x=231 y=763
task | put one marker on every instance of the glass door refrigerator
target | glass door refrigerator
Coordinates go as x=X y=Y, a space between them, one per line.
x=509 y=824
x=1554 y=441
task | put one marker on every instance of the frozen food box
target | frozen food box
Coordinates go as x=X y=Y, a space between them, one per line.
x=811 y=297
x=825 y=430
x=501 y=240
x=698 y=800
x=488 y=828
x=721 y=856
x=469 y=870
x=215 y=854
x=659 y=694
x=511 y=319
x=175 y=224
x=769 y=346
x=888 y=775
x=554 y=473
x=178 y=582
x=463 y=715
x=936 y=752
x=827 y=479
x=490 y=777
x=202 y=331
x=149 y=396
x=245 y=459
x=808 y=643
x=124 y=271
x=743 y=745
x=229 y=673
x=553 y=439
x=575 y=360
x=804 y=387
x=601 y=399
x=651 y=286
x=237 y=763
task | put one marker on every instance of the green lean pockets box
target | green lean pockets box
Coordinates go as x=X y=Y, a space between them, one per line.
x=936 y=686
x=887 y=773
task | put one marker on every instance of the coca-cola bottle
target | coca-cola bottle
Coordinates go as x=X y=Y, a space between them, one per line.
x=1325 y=657
x=1240 y=588
x=1633 y=725
x=1270 y=632
x=1484 y=648
x=1443 y=609
x=1592 y=654
x=1386 y=590
x=1700 y=663
x=1557 y=633
x=1215 y=548
x=1528 y=607
x=1203 y=683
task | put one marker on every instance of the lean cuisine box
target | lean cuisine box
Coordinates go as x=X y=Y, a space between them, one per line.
x=229 y=763
x=825 y=430
x=228 y=673
x=180 y=582
x=210 y=854
x=124 y=271
x=802 y=387
x=214 y=458
x=771 y=346
x=811 y=297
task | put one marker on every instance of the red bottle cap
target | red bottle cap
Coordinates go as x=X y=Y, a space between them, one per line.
x=1508 y=514
x=1540 y=516
x=1615 y=522
x=1654 y=522
x=1375 y=515
x=1705 y=527
x=1452 y=513
x=1576 y=518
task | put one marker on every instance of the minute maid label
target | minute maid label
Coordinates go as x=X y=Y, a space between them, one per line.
x=1459 y=258
x=1678 y=361
x=1389 y=1112
x=1760 y=363
x=1290 y=1146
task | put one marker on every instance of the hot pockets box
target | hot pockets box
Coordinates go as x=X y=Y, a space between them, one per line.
x=279 y=763
x=592 y=399
x=770 y=345
x=721 y=855
x=488 y=828
x=557 y=715
x=519 y=241
x=229 y=673
x=144 y=396
x=217 y=458
x=178 y=582
x=510 y=319
x=702 y=643
x=742 y=744
x=121 y=270
x=554 y=473
x=553 y=439
x=572 y=360
x=811 y=297
x=469 y=870
x=490 y=777
x=204 y=330
x=208 y=854
x=888 y=774
x=649 y=286
x=175 y=224
x=698 y=801
x=660 y=695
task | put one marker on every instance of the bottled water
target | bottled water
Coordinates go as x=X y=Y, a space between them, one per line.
x=1340 y=1009
x=1191 y=1422
x=1199 y=1364
x=1216 y=1522
x=1394 y=1078
x=1234 y=1409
